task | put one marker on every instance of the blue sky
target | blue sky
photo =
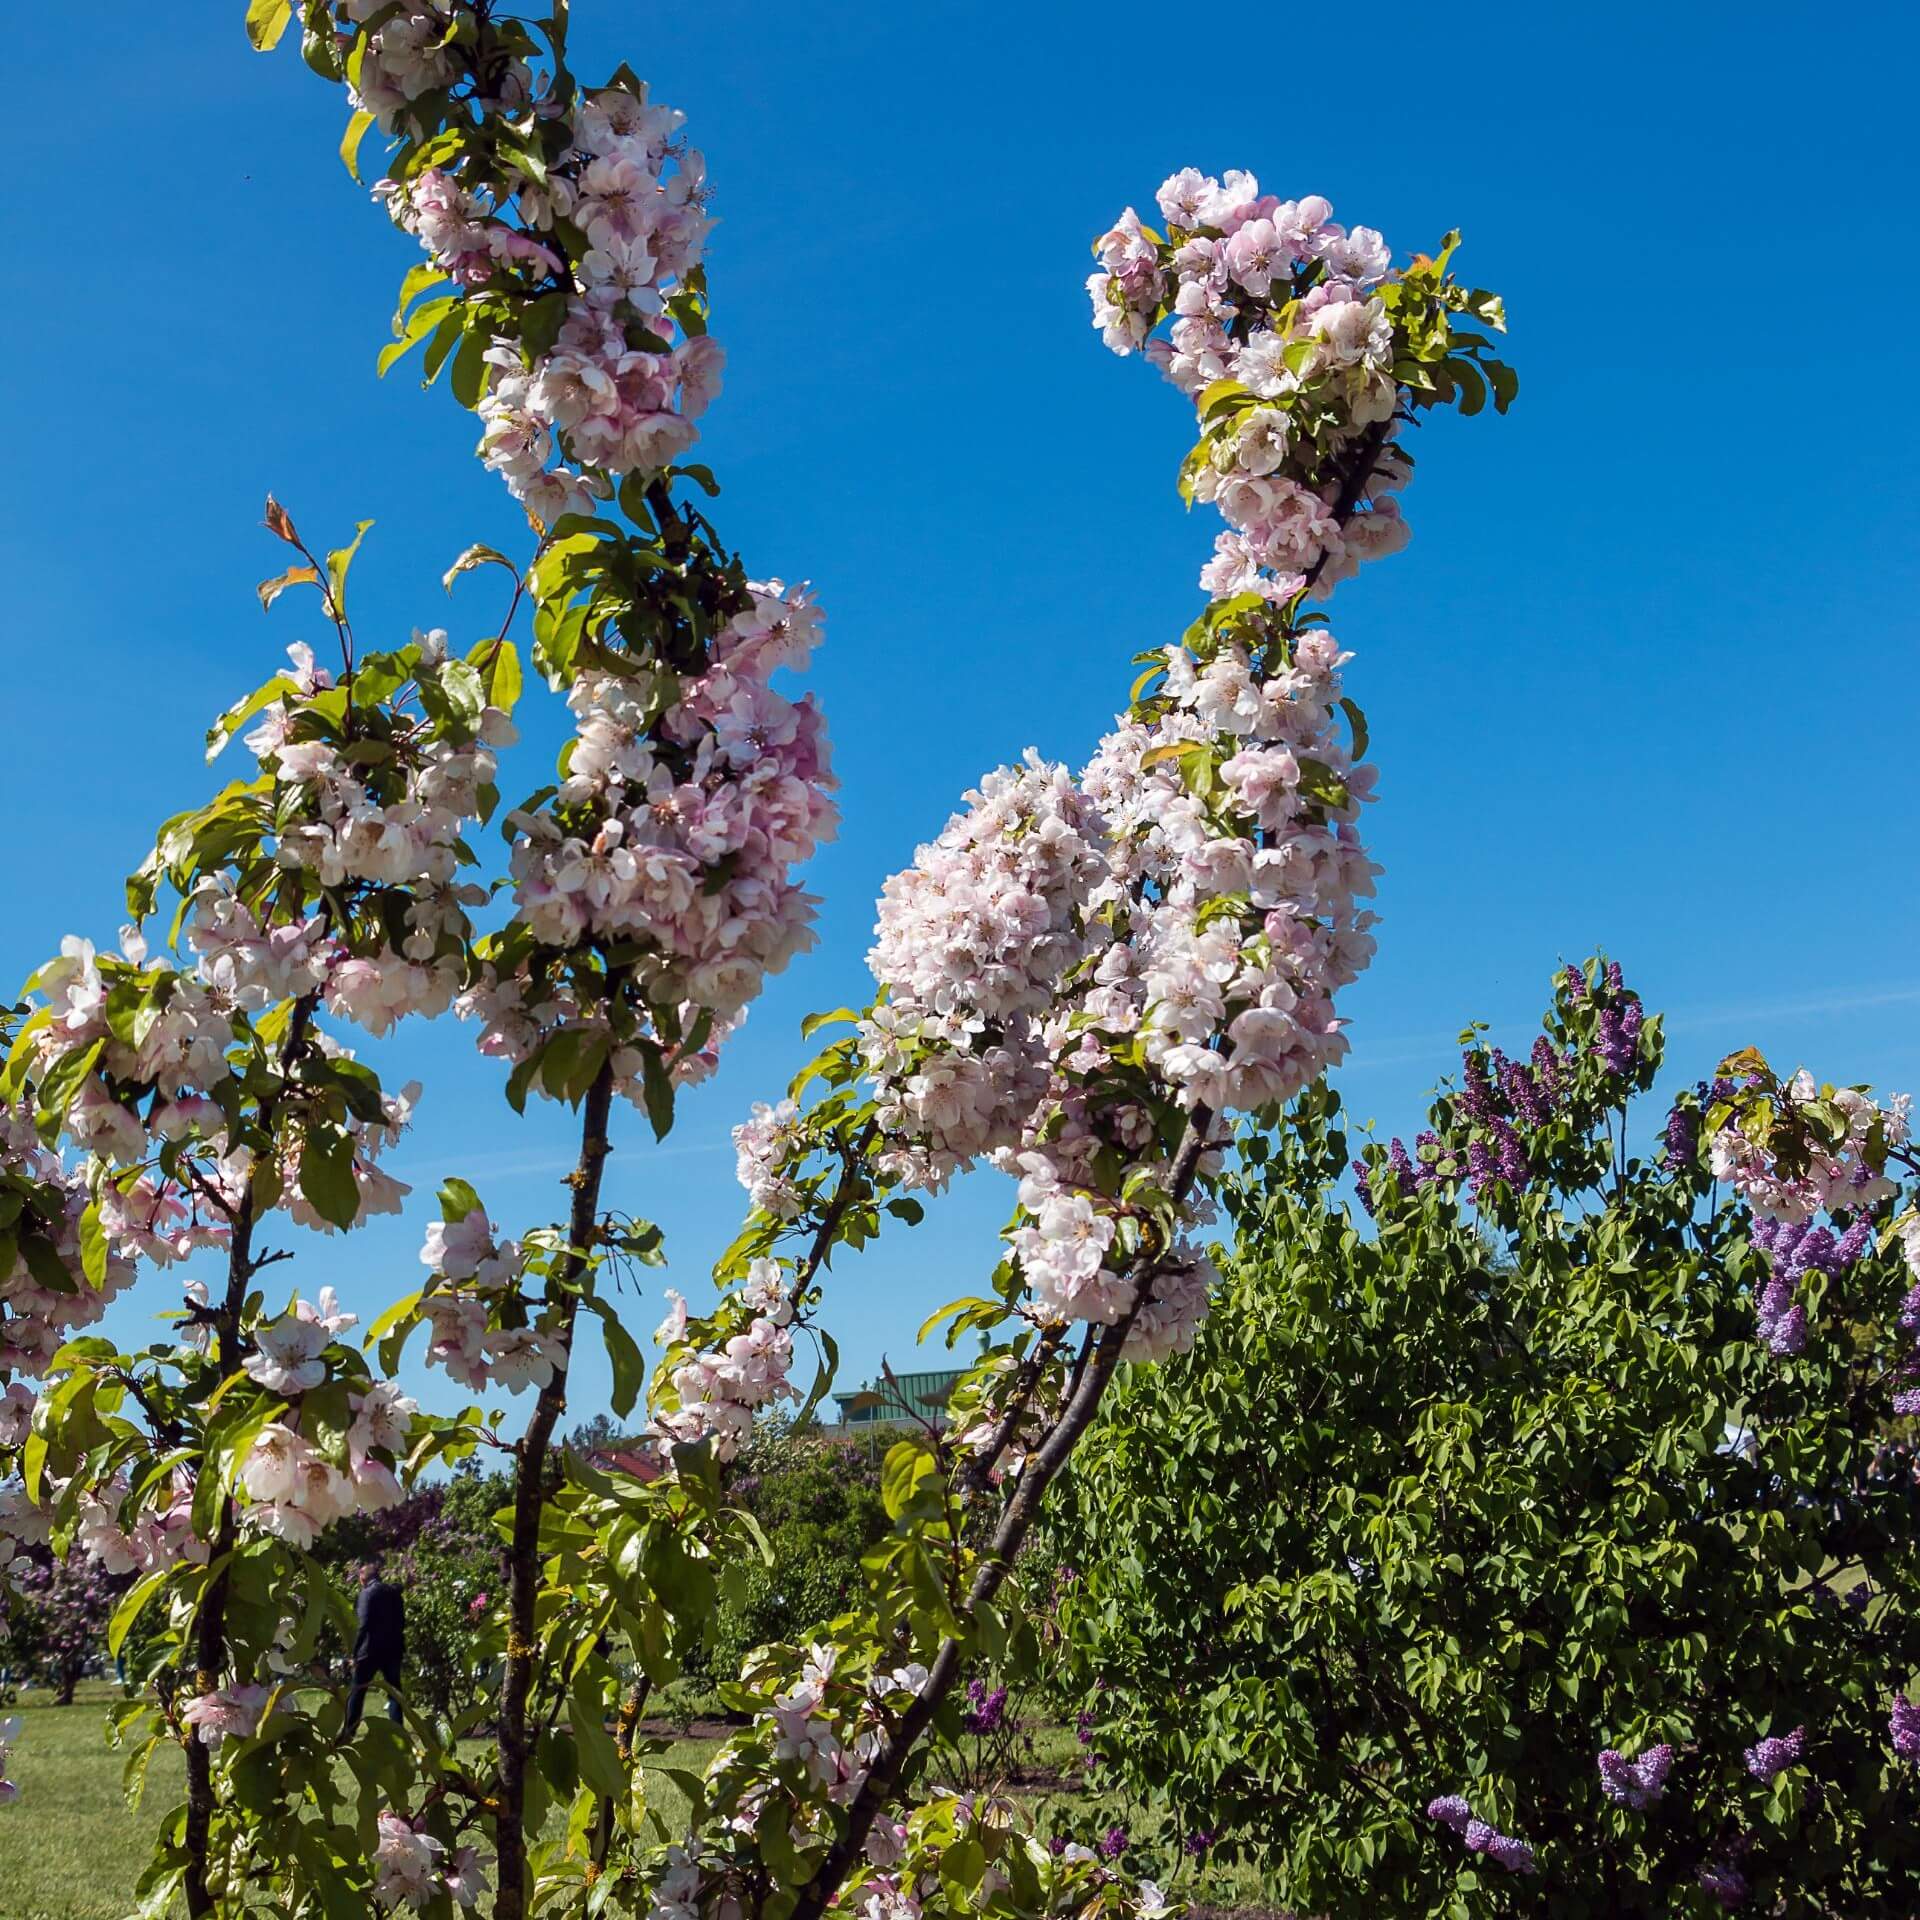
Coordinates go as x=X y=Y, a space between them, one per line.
x=1645 y=677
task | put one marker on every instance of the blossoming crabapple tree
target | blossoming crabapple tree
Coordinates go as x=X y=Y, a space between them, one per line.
x=1079 y=980
x=165 y=1103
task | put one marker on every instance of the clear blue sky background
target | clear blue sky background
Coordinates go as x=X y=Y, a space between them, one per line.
x=1646 y=676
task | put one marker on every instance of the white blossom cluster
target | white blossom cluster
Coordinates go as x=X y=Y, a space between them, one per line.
x=615 y=225
x=475 y=1312
x=717 y=1385
x=1279 y=332
x=676 y=829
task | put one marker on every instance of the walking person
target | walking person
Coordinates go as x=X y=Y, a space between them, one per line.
x=379 y=1644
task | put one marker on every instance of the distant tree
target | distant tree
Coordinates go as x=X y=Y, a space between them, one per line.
x=55 y=1622
x=818 y=1502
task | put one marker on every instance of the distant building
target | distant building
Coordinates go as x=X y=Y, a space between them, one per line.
x=902 y=1399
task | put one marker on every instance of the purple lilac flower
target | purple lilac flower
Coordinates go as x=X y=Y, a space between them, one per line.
x=1546 y=1068
x=1057 y=1845
x=1853 y=1243
x=1198 y=1842
x=1083 y=1728
x=1576 y=983
x=1113 y=1843
x=1500 y=1156
x=1782 y=1324
x=1451 y=1810
x=1904 y=1724
x=1907 y=1401
x=1775 y=1754
x=1480 y=1168
x=1478 y=1097
x=1910 y=1310
x=1515 y=1855
x=1363 y=1185
x=1516 y=1085
x=1618 y=1039
x=1727 y=1884
x=1616 y=981
x=1682 y=1137
x=1635 y=1783
x=1793 y=1251
x=988 y=1709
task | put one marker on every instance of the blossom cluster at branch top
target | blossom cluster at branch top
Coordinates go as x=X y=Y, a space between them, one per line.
x=45 y=1293
x=1452 y=1810
x=1842 y=1172
x=686 y=804
x=178 y=1177
x=1280 y=334
x=972 y=944
x=607 y=229
x=1071 y=959
x=329 y=882
x=296 y=1487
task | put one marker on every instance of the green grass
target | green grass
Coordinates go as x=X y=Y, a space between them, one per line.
x=72 y=1849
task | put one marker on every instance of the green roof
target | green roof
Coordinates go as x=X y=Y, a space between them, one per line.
x=906 y=1396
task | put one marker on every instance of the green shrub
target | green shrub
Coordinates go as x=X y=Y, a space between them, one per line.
x=1452 y=1506
x=818 y=1503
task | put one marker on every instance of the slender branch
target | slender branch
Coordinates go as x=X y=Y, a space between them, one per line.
x=1016 y=1522
x=210 y=1626
x=629 y=1718
x=531 y=1488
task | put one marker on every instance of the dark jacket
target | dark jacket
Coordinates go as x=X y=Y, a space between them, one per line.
x=381 y=1642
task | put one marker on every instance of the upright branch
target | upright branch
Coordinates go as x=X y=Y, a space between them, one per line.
x=533 y=1468
x=1079 y=979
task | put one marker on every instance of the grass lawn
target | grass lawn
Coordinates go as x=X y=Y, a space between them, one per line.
x=71 y=1849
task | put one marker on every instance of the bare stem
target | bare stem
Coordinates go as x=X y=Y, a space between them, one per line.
x=1016 y=1522
x=532 y=1488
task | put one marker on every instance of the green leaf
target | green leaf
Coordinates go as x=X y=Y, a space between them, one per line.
x=457 y=1200
x=338 y=562
x=624 y=1355
x=657 y=1090
x=823 y=1380
x=815 y=1021
x=93 y=1245
x=132 y=1604
x=426 y=318
x=326 y=1176
x=350 y=141
x=266 y=22
x=599 y=1757
x=477 y=555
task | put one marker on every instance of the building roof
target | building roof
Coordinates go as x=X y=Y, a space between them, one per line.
x=901 y=1397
